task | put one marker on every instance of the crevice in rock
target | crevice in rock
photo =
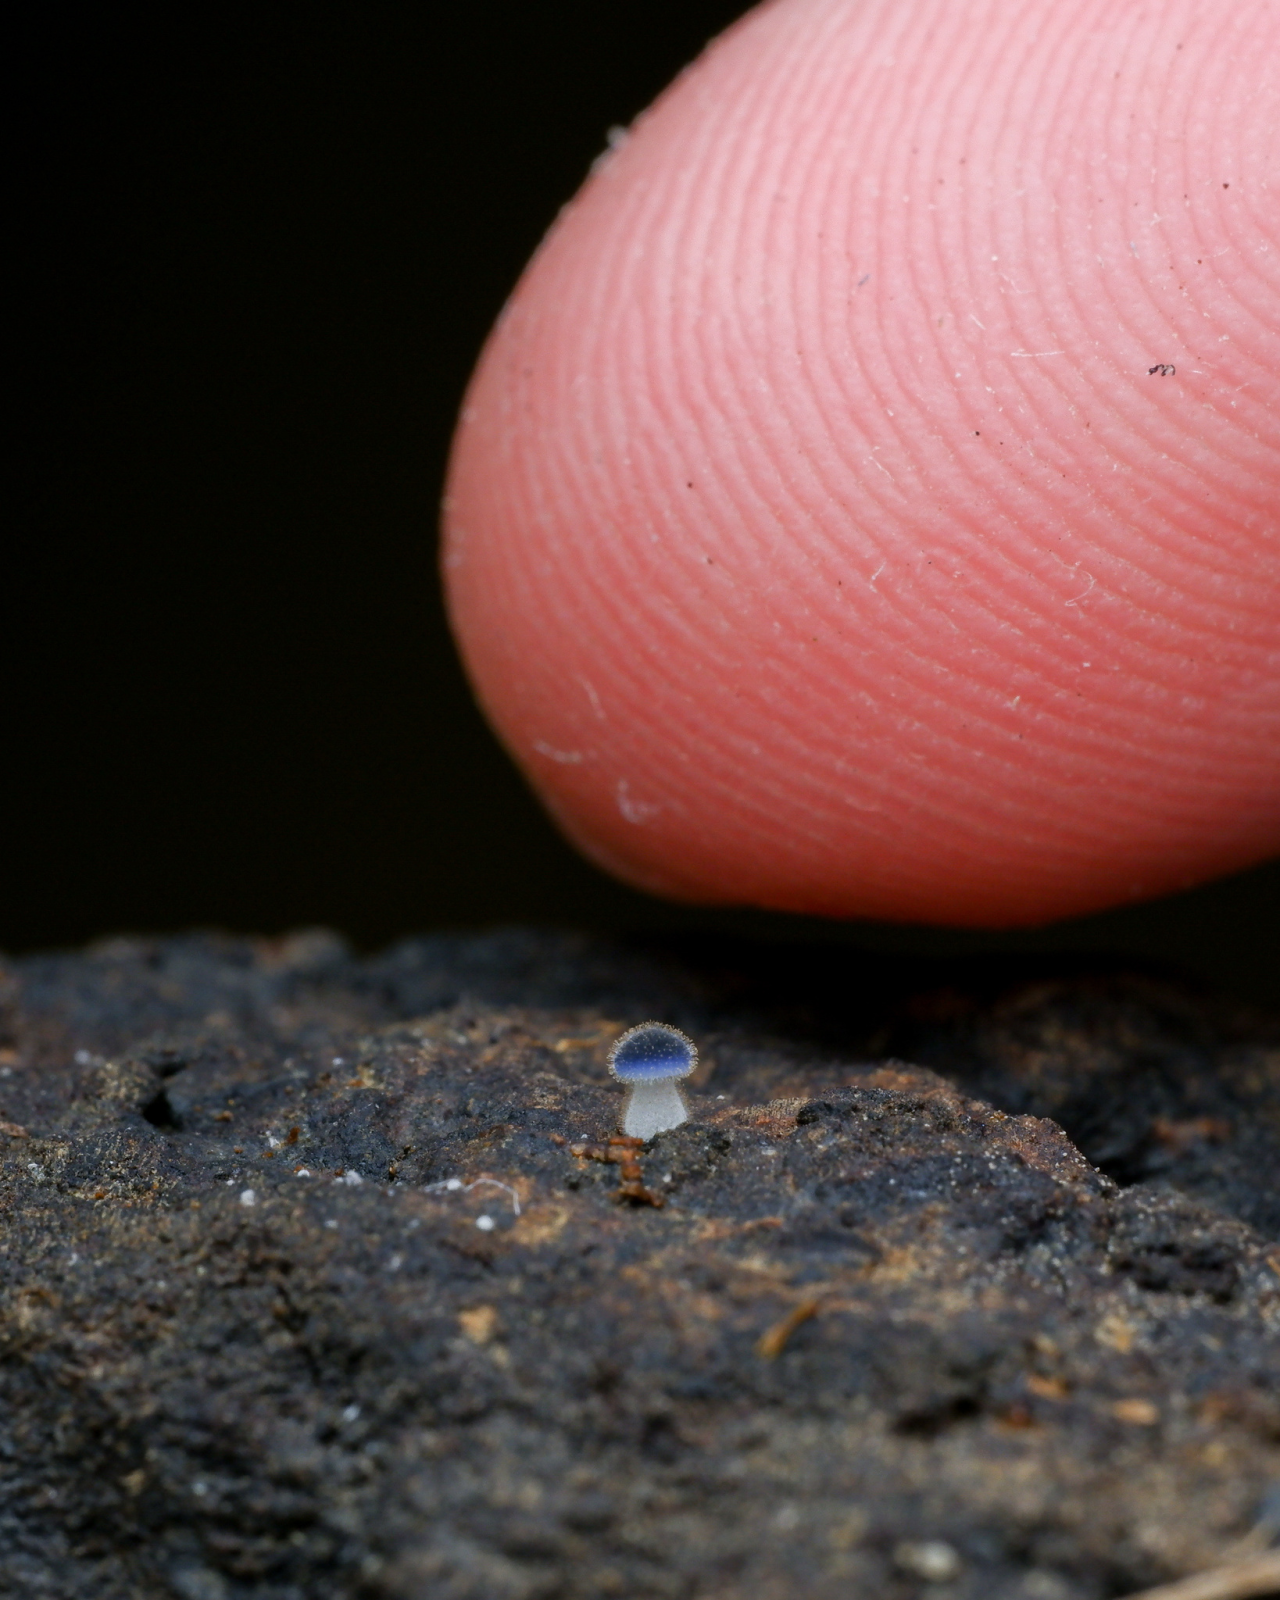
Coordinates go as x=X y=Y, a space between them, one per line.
x=160 y=1113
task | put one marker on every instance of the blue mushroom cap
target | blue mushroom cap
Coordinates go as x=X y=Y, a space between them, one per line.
x=652 y=1051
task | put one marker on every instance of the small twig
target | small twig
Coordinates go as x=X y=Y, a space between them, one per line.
x=631 y=1184
x=770 y=1345
x=1240 y=1580
x=624 y=1153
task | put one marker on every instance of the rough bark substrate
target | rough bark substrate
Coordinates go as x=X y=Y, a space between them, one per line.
x=321 y=1278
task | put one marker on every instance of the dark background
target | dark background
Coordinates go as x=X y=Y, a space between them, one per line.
x=261 y=249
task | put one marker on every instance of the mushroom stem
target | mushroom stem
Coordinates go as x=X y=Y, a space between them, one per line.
x=653 y=1106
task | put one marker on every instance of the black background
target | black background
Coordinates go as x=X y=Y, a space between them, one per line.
x=261 y=249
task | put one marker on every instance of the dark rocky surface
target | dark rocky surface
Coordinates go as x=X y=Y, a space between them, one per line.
x=321 y=1277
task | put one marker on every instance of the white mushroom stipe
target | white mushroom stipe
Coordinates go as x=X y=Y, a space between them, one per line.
x=651 y=1059
x=653 y=1108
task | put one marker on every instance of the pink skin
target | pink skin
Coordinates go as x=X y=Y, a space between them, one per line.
x=817 y=535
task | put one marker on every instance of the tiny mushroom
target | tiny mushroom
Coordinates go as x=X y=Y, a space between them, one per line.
x=650 y=1059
